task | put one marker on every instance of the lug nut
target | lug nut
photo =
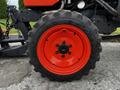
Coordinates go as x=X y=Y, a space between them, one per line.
x=70 y=46
x=74 y=33
x=46 y=39
x=57 y=52
x=64 y=42
x=63 y=56
x=57 y=45
x=69 y=53
x=64 y=30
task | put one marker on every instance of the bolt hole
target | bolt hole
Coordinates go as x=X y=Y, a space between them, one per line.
x=46 y=39
x=64 y=42
x=74 y=33
x=57 y=52
x=70 y=46
x=69 y=53
x=63 y=56
x=64 y=30
x=57 y=45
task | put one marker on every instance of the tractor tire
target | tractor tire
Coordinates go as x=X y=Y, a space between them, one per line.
x=107 y=26
x=64 y=46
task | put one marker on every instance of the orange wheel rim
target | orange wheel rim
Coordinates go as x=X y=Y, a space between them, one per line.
x=64 y=49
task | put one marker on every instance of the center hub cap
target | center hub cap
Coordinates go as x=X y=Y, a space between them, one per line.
x=63 y=49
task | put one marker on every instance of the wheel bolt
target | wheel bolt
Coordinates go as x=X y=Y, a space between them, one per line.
x=46 y=39
x=57 y=45
x=64 y=42
x=74 y=33
x=70 y=46
x=57 y=52
x=63 y=56
x=64 y=30
x=69 y=53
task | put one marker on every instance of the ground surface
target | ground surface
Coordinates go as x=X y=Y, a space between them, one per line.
x=16 y=74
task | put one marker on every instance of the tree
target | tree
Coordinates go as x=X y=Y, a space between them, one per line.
x=21 y=5
x=3 y=9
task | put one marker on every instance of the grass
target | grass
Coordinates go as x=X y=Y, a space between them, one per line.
x=117 y=31
x=13 y=31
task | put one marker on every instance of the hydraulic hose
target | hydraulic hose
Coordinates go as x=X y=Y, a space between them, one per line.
x=109 y=8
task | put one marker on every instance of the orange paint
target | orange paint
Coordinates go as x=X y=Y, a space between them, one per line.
x=61 y=37
x=40 y=2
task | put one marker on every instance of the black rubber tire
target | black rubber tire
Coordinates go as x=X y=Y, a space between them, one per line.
x=66 y=17
x=107 y=26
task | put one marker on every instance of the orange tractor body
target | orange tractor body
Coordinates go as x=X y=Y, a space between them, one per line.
x=40 y=2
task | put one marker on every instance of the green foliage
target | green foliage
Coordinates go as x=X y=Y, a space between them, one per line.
x=21 y=5
x=3 y=9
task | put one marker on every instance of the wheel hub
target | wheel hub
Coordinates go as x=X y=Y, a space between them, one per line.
x=63 y=49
